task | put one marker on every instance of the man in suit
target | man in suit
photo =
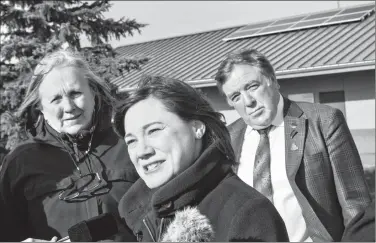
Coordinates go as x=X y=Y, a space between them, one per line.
x=299 y=155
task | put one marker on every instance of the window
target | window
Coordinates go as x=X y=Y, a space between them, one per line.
x=334 y=99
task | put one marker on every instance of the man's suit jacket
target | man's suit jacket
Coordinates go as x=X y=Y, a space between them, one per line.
x=322 y=164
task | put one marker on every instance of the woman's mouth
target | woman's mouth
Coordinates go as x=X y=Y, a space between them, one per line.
x=149 y=168
x=73 y=118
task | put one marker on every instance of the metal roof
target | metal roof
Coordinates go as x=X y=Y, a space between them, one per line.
x=194 y=58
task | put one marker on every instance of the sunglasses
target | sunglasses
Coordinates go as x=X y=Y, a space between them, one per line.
x=85 y=186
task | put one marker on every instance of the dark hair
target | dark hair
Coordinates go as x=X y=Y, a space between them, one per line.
x=183 y=100
x=244 y=56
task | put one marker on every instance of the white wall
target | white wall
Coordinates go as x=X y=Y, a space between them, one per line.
x=360 y=100
x=219 y=103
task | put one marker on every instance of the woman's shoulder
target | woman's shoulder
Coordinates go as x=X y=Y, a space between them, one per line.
x=249 y=213
x=20 y=160
x=24 y=150
x=232 y=193
x=237 y=188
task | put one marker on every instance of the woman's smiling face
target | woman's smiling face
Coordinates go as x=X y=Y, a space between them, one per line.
x=67 y=102
x=160 y=144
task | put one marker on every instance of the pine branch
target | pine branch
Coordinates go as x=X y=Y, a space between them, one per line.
x=36 y=27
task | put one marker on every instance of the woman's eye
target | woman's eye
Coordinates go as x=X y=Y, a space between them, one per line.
x=129 y=142
x=253 y=87
x=56 y=100
x=154 y=130
x=76 y=94
x=235 y=98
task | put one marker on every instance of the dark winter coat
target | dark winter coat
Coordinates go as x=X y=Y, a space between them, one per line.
x=36 y=172
x=236 y=211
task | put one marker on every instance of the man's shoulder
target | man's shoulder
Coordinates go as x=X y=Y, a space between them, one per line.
x=318 y=111
x=307 y=106
x=236 y=125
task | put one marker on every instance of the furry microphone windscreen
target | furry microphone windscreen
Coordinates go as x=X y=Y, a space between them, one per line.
x=189 y=225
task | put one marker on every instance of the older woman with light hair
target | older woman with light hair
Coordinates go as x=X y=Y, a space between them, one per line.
x=72 y=167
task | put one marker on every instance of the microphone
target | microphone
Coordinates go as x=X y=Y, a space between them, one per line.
x=95 y=229
x=189 y=225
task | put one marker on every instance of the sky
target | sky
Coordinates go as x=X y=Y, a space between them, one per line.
x=174 y=18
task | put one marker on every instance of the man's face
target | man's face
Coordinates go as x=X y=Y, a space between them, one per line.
x=253 y=95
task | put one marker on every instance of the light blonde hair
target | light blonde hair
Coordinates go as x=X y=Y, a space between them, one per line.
x=63 y=58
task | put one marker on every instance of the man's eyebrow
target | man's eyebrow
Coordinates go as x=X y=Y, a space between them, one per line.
x=144 y=127
x=251 y=82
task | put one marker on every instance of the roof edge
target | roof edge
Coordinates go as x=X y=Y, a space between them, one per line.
x=238 y=25
x=327 y=69
x=292 y=73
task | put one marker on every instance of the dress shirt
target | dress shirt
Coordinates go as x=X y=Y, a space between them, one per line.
x=284 y=198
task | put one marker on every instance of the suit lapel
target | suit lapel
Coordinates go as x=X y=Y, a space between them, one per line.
x=237 y=131
x=295 y=133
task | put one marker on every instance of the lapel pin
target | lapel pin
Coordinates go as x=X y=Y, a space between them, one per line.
x=294 y=147
x=293 y=125
x=293 y=133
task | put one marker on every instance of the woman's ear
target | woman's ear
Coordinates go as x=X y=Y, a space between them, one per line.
x=199 y=129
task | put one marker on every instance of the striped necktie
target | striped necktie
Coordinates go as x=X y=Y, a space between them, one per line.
x=262 y=180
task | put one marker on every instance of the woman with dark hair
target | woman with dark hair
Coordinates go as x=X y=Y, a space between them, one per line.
x=181 y=149
x=73 y=166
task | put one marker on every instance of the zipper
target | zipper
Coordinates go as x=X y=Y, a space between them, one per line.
x=147 y=227
x=139 y=236
x=76 y=152
x=160 y=230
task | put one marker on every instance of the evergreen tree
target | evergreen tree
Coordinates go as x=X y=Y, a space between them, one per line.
x=32 y=28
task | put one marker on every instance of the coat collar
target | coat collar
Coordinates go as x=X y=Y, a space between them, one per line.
x=237 y=131
x=41 y=132
x=295 y=133
x=188 y=188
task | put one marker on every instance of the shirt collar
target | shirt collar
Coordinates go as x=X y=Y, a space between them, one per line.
x=278 y=119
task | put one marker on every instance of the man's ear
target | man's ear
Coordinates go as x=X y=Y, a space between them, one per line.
x=277 y=84
x=199 y=128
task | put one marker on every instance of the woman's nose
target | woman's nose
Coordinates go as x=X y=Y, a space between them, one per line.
x=144 y=151
x=68 y=105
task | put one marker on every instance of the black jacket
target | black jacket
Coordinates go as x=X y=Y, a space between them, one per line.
x=236 y=211
x=35 y=172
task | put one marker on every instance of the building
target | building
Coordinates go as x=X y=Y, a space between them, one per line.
x=325 y=57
